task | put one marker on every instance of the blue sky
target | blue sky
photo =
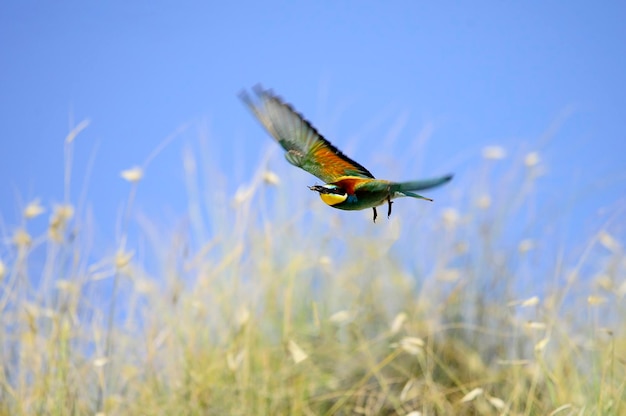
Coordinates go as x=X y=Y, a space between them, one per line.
x=545 y=76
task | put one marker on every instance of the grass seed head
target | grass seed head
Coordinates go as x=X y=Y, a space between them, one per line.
x=398 y=322
x=532 y=301
x=497 y=403
x=271 y=178
x=297 y=354
x=609 y=242
x=412 y=345
x=472 y=395
x=450 y=217
x=494 y=152
x=532 y=159
x=341 y=317
x=132 y=175
x=123 y=258
x=33 y=209
x=596 y=300
x=100 y=362
x=21 y=238
x=59 y=218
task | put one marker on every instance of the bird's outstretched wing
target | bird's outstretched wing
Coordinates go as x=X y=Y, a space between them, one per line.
x=305 y=147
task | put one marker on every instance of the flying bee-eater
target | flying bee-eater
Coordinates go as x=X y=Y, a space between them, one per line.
x=348 y=185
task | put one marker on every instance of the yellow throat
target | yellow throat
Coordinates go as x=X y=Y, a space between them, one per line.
x=333 y=199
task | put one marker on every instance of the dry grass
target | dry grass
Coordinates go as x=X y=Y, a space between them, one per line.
x=248 y=310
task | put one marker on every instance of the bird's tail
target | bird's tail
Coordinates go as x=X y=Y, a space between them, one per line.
x=406 y=187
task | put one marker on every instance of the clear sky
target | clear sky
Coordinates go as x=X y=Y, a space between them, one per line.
x=532 y=75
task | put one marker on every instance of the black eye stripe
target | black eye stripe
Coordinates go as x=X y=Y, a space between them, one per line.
x=327 y=190
x=337 y=191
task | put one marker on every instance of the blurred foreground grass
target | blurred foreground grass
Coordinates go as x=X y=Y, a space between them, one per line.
x=263 y=307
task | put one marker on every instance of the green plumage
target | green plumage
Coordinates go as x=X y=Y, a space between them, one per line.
x=374 y=192
x=348 y=185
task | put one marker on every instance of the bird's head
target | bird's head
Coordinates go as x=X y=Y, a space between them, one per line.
x=330 y=194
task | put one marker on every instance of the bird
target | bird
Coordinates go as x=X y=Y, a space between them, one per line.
x=347 y=184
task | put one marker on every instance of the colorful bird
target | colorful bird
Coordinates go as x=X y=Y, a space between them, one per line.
x=348 y=185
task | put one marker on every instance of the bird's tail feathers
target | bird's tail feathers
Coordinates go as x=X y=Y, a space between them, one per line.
x=414 y=195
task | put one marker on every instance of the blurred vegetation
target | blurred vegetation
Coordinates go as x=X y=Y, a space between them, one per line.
x=256 y=304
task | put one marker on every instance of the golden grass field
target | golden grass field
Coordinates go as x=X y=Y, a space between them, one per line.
x=266 y=306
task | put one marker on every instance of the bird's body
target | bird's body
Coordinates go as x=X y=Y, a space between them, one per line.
x=348 y=185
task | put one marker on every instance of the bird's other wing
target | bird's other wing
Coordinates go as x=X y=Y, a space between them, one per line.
x=305 y=147
x=421 y=184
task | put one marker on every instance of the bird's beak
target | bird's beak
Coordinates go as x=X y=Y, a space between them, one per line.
x=317 y=188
